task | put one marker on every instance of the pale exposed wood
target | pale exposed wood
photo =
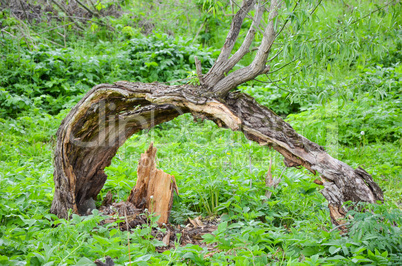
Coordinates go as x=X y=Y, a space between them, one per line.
x=145 y=171
x=337 y=214
x=196 y=222
x=270 y=182
x=166 y=238
x=154 y=189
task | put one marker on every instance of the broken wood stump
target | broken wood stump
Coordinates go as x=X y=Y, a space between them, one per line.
x=154 y=189
x=153 y=192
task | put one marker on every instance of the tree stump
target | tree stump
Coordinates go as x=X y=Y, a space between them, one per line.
x=154 y=189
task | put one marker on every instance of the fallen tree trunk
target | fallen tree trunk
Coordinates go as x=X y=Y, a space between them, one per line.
x=101 y=122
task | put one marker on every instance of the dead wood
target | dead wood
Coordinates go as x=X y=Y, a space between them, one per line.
x=270 y=182
x=101 y=122
x=76 y=11
x=108 y=200
x=154 y=189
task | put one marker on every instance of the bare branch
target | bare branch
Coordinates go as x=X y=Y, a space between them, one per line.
x=276 y=55
x=87 y=9
x=55 y=28
x=235 y=30
x=216 y=71
x=285 y=65
x=25 y=12
x=244 y=48
x=258 y=66
x=198 y=69
x=67 y=13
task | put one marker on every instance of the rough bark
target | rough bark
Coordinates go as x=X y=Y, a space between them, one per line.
x=219 y=69
x=90 y=135
x=99 y=124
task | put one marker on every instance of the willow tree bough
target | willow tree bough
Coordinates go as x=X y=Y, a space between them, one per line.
x=109 y=114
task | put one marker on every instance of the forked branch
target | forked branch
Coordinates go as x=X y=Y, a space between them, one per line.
x=217 y=70
x=235 y=29
x=258 y=66
x=245 y=47
x=108 y=115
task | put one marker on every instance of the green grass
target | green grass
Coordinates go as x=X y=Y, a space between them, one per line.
x=219 y=172
x=213 y=172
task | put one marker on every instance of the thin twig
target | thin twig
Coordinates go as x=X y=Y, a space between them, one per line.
x=277 y=80
x=22 y=22
x=93 y=5
x=287 y=19
x=87 y=9
x=92 y=13
x=69 y=17
x=275 y=56
x=3 y=30
x=22 y=32
x=319 y=3
x=56 y=27
x=285 y=65
x=338 y=227
x=26 y=15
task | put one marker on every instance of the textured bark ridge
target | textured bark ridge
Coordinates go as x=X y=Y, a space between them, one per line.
x=101 y=122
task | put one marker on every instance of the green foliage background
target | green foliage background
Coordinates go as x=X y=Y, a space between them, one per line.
x=342 y=90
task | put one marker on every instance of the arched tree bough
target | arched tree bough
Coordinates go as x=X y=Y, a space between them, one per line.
x=101 y=122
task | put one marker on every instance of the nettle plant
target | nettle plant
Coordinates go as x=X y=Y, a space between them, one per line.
x=54 y=79
x=163 y=58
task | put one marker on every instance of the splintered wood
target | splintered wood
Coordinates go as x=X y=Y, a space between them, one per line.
x=154 y=189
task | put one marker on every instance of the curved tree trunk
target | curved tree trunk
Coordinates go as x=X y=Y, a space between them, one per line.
x=101 y=122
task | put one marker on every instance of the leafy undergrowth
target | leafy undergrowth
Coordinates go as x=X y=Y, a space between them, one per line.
x=219 y=173
x=51 y=80
x=351 y=105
